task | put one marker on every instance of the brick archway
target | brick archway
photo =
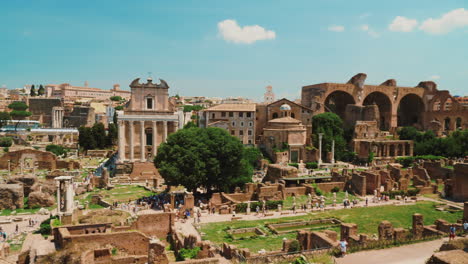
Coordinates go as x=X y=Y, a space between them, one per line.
x=337 y=101
x=385 y=108
x=410 y=109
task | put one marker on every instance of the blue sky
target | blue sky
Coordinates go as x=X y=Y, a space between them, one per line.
x=201 y=48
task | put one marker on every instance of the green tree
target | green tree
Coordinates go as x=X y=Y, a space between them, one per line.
x=189 y=108
x=57 y=150
x=119 y=107
x=6 y=141
x=114 y=118
x=408 y=133
x=111 y=137
x=33 y=91
x=19 y=111
x=116 y=98
x=86 y=138
x=41 y=90
x=331 y=126
x=210 y=158
x=4 y=118
x=99 y=134
x=190 y=125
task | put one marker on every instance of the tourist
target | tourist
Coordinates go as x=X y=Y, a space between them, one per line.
x=452 y=232
x=465 y=227
x=257 y=209
x=343 y=245
x=367 y=201
x=16 y=229
x=213 y=210
x=344 y=204
x=199 y=215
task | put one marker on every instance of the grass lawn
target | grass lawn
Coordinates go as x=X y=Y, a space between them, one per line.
x=367 y=220
x=302 y=199
x=120 y=193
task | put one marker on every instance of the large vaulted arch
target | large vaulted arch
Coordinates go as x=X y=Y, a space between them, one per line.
x=337 y=101
x=410 y=110
x=385 y=108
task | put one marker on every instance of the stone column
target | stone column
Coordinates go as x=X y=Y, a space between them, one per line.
x=132 y=139
x=411 y=149
x=320 y=148
x=142 y=141
x=155 y=138
x=176 y=125
x=387 y=147
x=333 y=152
x=164 y=131
x=121 y=140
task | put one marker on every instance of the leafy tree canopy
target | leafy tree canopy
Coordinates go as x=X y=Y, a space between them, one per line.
x=427 y=143
x=331 y=126
x=116 y=98
x=189 y=108
x=57 y=150
x=209 y=157
x=18 y=106
x=4 y=117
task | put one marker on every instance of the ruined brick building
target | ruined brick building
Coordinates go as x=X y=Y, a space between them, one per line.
x=423 y=106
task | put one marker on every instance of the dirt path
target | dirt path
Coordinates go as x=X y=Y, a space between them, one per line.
x=409 y=254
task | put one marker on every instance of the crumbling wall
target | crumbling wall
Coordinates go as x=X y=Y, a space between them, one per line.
x=11 y=196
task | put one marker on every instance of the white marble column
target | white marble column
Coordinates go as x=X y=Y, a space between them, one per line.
x=333 y=152
x=320 y=148
x=132 y=139
x=121 y=141
x=142 y=141
x=164 y=131
x=155 y=138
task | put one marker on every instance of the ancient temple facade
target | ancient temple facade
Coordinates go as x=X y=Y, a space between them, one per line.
x=146 y=121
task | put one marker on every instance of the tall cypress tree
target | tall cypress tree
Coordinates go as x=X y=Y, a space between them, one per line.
x=33 y=91
x=41 y=90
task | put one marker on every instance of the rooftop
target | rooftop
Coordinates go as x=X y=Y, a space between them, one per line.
x=233 y=107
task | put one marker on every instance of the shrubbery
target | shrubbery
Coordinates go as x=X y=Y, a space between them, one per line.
x=6 y=142
x=335 y=189
x=186 y=253
x=57 y=150
x=295 y=246
x=294 y=165
x=408 y=161
x=311 y=165
x=409 y=192
x=270 y=205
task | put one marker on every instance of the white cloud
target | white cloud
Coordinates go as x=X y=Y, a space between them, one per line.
x=232 y=32
x=365 y=15
x=336 y=28
x=447 y=22
x=435 y=77
x=369 y=31
x=403 y=24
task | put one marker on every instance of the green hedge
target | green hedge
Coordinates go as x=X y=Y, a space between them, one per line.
x=408 y=161
x=270 y=205
x=311 y=165
x=409 y=192
x=6 y=142
x=294 y=165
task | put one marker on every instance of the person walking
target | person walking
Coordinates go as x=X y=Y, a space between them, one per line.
x=452 y=232
x=343 y=246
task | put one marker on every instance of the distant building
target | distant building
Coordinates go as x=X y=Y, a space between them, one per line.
x=70 y=93
x=237 y=119
x=463 y=100
x=236 y=100
x=269 y=96
x=146 y=121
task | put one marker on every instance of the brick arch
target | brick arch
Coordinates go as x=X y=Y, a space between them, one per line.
x=410 y=110
x=336 y=102
x=385 y=107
